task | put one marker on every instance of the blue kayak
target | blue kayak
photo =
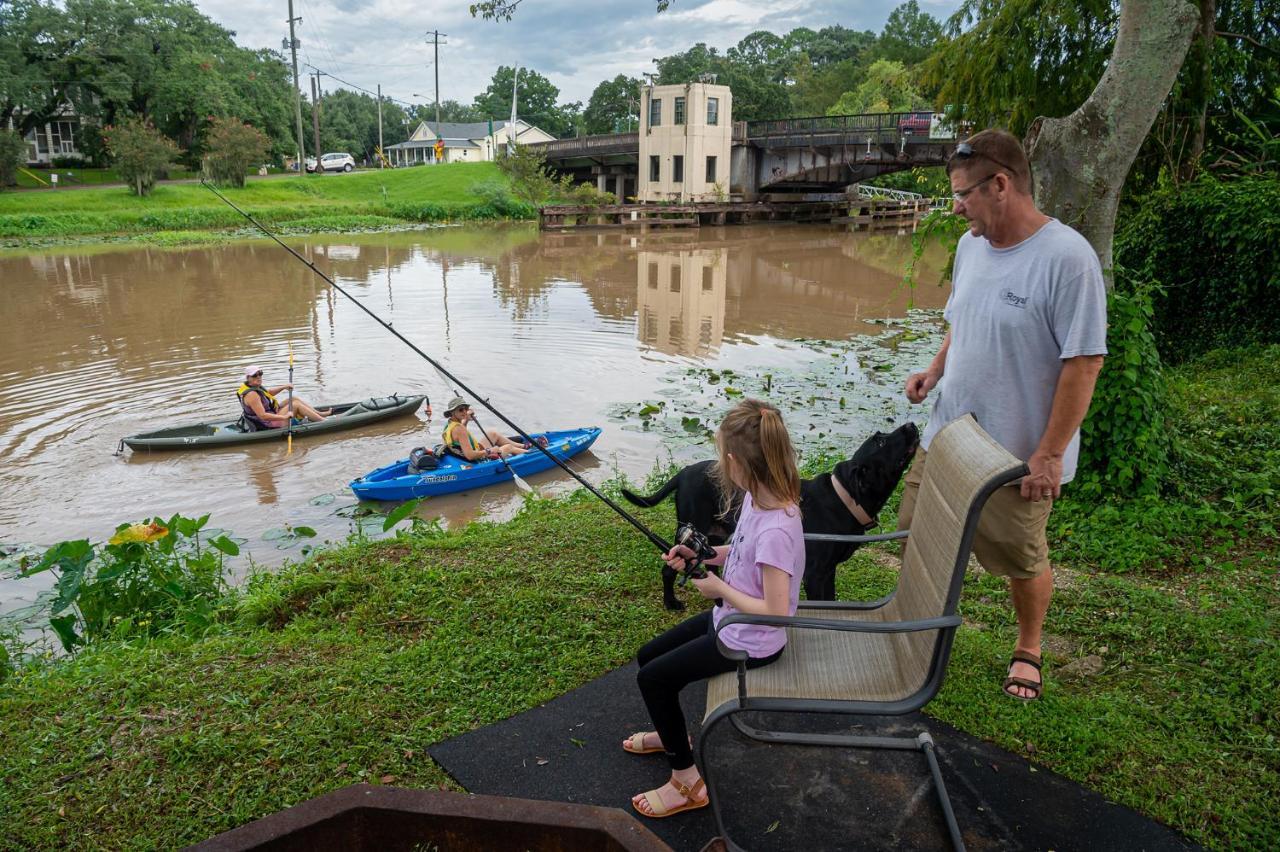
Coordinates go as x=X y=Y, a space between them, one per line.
x=395 y=482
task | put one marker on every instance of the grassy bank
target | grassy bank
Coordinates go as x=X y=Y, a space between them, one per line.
x=454 y=192
x=1162 y=686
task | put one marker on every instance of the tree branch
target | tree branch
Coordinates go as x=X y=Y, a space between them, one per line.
x=1246 y=37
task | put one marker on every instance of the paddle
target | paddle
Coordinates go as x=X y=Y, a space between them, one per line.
x=290 y=441
x=520 y=483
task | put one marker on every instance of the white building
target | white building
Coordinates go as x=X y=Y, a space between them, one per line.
x=471 y=142
x=57 y=137
x=686 y=135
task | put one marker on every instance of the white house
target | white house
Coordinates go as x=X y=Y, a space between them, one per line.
x=55 y=138
x=475 y=141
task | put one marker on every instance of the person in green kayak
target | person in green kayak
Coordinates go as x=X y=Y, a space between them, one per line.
x=263 y=410
x=458 y=440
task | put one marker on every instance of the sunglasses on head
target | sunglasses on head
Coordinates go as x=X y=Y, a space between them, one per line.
x=965 y=151
x=256 y=375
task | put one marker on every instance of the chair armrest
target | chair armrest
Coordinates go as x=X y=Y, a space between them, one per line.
x=862 y=539
x=940 y=622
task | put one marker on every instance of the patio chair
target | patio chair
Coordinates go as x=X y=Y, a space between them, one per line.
x=883 y=657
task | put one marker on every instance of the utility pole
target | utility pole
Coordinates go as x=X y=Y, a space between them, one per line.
x=382 y=158
x=297 y=92
x=513 y=131
x=436 y=35
x=315 y=115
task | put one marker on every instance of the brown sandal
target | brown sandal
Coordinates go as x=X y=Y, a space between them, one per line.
x=1037 y=687
x=659 y=808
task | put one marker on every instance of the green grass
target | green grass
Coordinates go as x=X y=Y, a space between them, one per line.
x=347 y=667
x=436 y=194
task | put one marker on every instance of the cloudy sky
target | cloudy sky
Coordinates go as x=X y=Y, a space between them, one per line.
x=575 y=43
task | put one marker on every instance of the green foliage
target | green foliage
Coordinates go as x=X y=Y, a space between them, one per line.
x=1005 y=62
x=909 y=35
x=1214 y=247
x=887 y=87
x=526 y=170
x=139 y=153
x=232 y=148
x=13 y=152
x=349 y=122
x=939 y=226
x=931 y=181
x=150 y=578
x=1124 y=440
x=614 y=106
x=536 y=100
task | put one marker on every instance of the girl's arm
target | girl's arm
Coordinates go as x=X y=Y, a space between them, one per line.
x=777 y=593
x=677 y=556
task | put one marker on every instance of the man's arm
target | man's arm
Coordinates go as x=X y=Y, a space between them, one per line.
x=1070 y=404
x=919 y=384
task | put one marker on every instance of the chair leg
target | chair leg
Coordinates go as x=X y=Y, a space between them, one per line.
x=922 y=742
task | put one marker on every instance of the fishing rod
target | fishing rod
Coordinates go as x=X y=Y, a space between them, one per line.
x=623 y=513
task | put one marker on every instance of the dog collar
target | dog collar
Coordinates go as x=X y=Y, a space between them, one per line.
x=859 y=514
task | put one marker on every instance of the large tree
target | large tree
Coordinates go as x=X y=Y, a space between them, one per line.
x=349 y=122
x=885 y=88
x=909 y=35
x=536 y=102
x=614 y=106
x=33 y=62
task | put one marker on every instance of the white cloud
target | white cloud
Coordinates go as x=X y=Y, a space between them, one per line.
x=573 y=43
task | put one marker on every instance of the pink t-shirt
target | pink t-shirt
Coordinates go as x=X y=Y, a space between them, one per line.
x=763 y=537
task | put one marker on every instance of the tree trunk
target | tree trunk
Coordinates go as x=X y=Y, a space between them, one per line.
x=1080 y=162
x=1201 y=88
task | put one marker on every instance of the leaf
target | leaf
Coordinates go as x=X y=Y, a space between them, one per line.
x=65 y=627
x=68 y=591
x=304 y=532
x=399 y=513
x=225 y=545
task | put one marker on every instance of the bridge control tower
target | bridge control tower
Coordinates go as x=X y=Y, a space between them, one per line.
x=686 y=140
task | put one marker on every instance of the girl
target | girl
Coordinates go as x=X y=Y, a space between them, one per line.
x=763 y=564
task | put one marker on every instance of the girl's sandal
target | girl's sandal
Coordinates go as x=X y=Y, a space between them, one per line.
x=659 y=810
x=1036 y=687
x=635 y=745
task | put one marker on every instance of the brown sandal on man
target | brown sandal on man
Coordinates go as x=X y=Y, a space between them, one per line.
x=635 y=744
x=1036 y=687
x=659 y=808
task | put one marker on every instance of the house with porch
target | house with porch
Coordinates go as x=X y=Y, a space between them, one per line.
x=462 y=142
x=57 y=137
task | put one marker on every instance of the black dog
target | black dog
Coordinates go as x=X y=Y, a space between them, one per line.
x=867 y=479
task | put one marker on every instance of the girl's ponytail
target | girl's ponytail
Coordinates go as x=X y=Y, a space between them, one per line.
x=753 y=432
x=779 y=456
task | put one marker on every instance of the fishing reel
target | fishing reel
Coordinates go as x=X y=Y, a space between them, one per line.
x=688 y=535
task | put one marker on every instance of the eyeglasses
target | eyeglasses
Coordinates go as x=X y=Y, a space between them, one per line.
x=965 y=151
x=256 y=375
x=961 y=194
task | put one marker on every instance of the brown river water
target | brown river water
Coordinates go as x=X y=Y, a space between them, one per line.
x=557 y=330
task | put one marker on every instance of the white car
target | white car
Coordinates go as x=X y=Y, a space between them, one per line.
x=332 y=163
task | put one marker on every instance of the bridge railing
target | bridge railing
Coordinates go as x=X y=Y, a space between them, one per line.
x=913 y=123
x=586 y=143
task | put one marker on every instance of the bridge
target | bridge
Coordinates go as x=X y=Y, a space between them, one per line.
x=794 y=155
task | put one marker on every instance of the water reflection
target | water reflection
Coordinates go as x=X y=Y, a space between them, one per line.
x=555 y=328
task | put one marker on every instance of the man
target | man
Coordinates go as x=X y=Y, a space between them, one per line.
x=1027 y=337
x=458 y=440
x=264 y=411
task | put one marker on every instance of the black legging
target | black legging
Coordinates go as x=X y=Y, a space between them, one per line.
x=684 y=654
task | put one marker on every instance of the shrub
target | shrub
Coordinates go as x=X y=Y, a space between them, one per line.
x=1214 y=246
x=1124 y=445
x=139 y=152
x=233 y=147
x=530 y=181
x=13 y=153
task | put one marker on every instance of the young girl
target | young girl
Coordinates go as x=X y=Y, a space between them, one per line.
x=763 y=564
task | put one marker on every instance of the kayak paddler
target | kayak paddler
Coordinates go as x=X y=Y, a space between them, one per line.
x=459 y=441
x=264 y=411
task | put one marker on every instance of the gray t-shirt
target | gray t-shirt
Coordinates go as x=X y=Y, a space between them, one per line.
x=1015 y=314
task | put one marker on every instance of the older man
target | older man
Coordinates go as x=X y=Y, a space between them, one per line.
x=1026 y=339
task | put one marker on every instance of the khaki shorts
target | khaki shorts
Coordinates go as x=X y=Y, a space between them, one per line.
x=1011 y=538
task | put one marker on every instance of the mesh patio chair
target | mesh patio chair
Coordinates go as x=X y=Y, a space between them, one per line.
x=883 y=657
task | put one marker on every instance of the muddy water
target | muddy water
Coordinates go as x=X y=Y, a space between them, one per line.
x=558 y=330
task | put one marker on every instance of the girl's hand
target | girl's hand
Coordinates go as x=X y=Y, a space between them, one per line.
x=678 y=556
x=710 y=586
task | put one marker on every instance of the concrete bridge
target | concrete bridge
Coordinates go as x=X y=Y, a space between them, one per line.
x=794 y=155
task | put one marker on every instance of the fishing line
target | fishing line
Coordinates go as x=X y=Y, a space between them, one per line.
x=623 y=513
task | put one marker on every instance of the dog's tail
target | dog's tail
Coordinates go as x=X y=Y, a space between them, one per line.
x=653 y=499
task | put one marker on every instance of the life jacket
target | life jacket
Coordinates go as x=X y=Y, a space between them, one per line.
x=451 y=442
x=251 y=418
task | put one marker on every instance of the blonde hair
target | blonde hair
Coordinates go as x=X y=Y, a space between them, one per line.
x=753 y=432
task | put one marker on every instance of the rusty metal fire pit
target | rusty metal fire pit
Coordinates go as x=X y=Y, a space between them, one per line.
x=363 y=817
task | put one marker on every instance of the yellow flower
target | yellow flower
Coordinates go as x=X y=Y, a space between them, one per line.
x=139 y=532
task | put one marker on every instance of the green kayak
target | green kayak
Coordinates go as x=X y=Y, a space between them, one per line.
x=346 y=415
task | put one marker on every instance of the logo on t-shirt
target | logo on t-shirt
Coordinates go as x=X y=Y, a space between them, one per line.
x=1011 y=298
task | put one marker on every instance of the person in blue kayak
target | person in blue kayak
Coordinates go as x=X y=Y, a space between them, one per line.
x=458 y=439
x=262 y=409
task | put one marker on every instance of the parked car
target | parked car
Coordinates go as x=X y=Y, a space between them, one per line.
x=332 y=163
x=915 y=122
